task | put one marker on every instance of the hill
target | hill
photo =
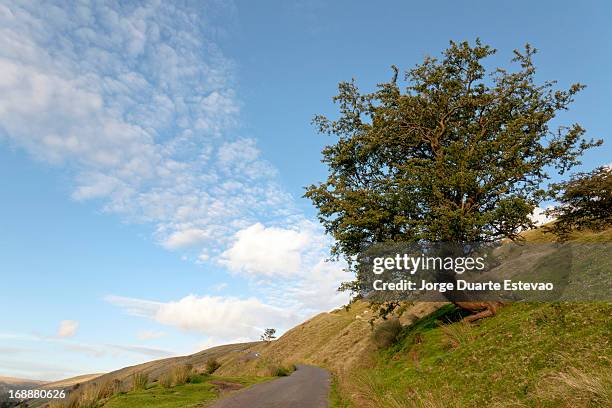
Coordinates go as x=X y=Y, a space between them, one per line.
x=553 y=354
x=531 y=354
x=70 y=382
x=7 y=383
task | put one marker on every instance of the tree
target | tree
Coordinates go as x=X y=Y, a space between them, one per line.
x=269 y=335
x=585 y=202
x=459 y=155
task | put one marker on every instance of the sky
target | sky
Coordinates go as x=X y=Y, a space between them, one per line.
x=153 y=158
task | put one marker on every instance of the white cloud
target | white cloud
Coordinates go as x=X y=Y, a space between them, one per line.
x=297 y=255
x=185 y=238
x=217 y=317
x=267 y=250
x=284 y=266
x=142 y=350
x=539 y=217
x=106 y=350
x=219 y=286
x=67 y=328
x=92 y=349
x=318 y=291
x=150 y=335
x=36 y=369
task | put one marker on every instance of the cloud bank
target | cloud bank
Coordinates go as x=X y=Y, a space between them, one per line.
x=137 y=102
x=215 y=316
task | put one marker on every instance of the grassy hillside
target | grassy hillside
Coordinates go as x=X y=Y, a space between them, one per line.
x=201 y=390
x=555 y=354
x=339 y=340
x=532 y=355
x=335 y=339
x=70 y=382
x=155 y=369
x=122 y=380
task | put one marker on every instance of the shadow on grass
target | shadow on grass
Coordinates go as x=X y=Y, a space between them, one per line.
x=411 y=334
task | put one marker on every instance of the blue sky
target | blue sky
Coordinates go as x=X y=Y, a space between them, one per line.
x=153 y=158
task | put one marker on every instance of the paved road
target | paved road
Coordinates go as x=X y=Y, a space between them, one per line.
x=308 y=387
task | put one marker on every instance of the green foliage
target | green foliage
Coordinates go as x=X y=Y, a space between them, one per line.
x=336 y=397
x=197 y=378
x=212 y=365
x=385 y=333
x=585 y=202
x=458 y=156
x=281 y=372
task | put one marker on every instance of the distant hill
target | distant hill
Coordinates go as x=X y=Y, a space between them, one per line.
x=10 y=382
x=69 y=382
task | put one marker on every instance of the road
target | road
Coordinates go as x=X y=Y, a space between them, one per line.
x=307 y=387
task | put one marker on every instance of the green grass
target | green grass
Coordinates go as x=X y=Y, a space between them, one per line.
x=192 y=394
x=529 y=355
x=336 y=398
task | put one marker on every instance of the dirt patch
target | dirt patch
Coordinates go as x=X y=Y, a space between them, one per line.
x=225 y=386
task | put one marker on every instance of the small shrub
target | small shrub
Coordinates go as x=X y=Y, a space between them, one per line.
x=196 y=379
x=139 y=381
x=109 y=388
x=165 y=380
x=89 y=397
x=180 y=374
x=281 y=372
x=385 y=334
x=212 y=365
x=73 y=400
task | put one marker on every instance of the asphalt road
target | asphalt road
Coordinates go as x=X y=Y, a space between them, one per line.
x=307 y=387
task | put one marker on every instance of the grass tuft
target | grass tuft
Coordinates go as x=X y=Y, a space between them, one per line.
x=139 y=381
x=576 y=388
x=457 y=334
x=386 y=333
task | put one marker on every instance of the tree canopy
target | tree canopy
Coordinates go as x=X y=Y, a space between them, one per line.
x=458 y=154
x=268 y=335
x=585 y=201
